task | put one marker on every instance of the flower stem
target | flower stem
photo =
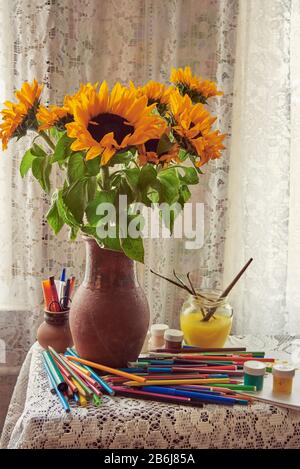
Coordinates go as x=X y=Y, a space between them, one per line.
x=47 y=139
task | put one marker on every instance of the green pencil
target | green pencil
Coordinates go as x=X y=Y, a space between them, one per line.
x=88 y=391
x=235 y=387
x=55 y=372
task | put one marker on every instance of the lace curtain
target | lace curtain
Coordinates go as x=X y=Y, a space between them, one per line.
x=264 y=174
x=63 y=43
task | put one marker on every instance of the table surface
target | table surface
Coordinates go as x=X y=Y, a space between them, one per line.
x=35 y=418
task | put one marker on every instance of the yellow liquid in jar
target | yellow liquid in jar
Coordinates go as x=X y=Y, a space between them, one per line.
x=212 y=333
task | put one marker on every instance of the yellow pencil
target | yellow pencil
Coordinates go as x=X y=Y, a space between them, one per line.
x=83 y=370
x=113 y=371
x=79 y=387
x=164 y=382
x=82 y=400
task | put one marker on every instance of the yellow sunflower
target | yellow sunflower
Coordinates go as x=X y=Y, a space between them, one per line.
x=193 y=128
x=197 y=88
x=105 y=123
x=17 y=118
x=59 y=116
x=52 y=116
x=157 y=93
x=148 y=153
x=212 y=148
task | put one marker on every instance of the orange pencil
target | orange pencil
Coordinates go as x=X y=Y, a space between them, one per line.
x=113 y=371
x=47 y=293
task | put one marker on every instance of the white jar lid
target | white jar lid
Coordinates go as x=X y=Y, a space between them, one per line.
x=173 y=335
x=158 y=329
x=254 y=368
x=283 y=371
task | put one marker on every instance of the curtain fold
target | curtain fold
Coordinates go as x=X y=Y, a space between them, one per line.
x=264 y=195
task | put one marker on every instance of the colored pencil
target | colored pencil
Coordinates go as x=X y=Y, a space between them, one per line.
x=196 y=395
x=76 y=398
x=63 y=370
x=79 y=387
x=97 y=378
x=71 y=371
x=54 y=384
x=97 y=401
x=234 y=358
x=57 y=376
x=107 y=369
x=46 y=286
x=161 y=382
x=237 y=387
x=66 y=295
x=55 y=300
x=82 y=400
x=156 y=397
x=82 y=375
x=190 y=349
x=169 y=377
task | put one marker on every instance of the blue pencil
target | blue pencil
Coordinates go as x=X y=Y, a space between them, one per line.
x=215 y=399
x=60 y=394
x=94 y=375
x=63 y=275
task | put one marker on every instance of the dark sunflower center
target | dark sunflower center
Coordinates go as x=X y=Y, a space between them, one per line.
x=105 y=123
x=151 y=145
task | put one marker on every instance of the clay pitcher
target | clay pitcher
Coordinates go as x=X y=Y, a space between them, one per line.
x=109 y=315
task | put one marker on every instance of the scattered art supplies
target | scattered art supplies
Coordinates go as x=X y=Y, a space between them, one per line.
x=58 y=293
x=214 y=376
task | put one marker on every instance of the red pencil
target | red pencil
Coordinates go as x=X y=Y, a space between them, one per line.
x=54 y=305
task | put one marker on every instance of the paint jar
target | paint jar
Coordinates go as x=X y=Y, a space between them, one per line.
x=283 y=376
x=254 y=372
x=173 y=339
x=202 y=328
x=157 y=336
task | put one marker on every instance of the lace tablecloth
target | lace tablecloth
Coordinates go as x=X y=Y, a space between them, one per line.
x=35 y=418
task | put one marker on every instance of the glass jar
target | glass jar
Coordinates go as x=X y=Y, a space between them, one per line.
x=205 y=319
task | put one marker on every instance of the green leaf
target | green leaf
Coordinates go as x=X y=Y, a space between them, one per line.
x=184 y=195
x=62 y=149
x=91 y=209
x=75 y=199
x=164 y=144
x=147 y=176
x=132 y=177
x=93 y=166
x=26 y=163
x=73 y=233
x=133 y=248
x=169 y=186
x=153 y=195
x=54 y=219
x=91 y=188
x=190 y=176
x=38 y=151
x=183 y=154
x=170 y=220
x=112 y=243
x=76 y=167
x=41 y=169
x=64 y=211
x=121 y=158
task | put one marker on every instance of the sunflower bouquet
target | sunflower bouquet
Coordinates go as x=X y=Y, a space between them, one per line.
x=147 y=143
